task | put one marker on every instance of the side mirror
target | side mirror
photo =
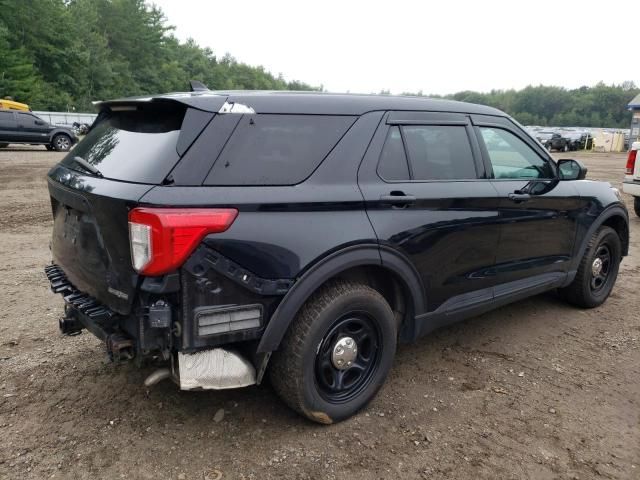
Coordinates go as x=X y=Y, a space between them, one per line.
x=571 y=170
x=40 y=122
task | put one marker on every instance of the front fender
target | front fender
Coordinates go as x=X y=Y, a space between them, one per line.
x=609 y=213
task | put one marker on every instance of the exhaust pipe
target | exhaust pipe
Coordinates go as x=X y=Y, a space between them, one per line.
x=157 y=376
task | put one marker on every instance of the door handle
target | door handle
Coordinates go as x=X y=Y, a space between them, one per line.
x=519 y=197
x=398 y=198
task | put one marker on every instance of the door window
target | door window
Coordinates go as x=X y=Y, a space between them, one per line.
x=512 y=158
x=27 y=121
x=438 y=152
x=434 y=152
x=7 y=120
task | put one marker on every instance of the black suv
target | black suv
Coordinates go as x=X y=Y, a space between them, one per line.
x=229 y=235
x=27 y=128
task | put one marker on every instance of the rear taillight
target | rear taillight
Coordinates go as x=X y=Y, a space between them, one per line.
x=631 y=161
x=163 y=238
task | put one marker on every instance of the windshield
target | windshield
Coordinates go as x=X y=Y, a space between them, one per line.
x=136 y=145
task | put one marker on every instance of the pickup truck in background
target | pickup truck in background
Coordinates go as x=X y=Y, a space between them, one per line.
x=631 y=183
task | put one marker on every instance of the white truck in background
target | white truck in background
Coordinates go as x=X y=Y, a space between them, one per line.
x=631 y=183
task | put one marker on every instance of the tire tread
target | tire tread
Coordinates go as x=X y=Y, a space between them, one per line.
x=287 y=363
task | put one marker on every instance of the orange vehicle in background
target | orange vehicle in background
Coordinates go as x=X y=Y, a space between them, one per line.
x=13 y=105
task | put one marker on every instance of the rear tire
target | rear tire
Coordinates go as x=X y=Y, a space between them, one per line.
x=61 y=142
x=597 y=272
x=49 y=147
x=636 y=205
x=309 y=371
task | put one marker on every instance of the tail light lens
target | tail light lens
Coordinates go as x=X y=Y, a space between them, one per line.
x=163 y=238
x=631 y=161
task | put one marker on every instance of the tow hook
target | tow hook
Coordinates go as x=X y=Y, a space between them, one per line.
x=119 y=348
x=69 y=324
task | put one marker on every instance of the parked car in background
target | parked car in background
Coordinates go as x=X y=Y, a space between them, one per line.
x=305 y=235
x=553 y=141
x=27 y=128
x=631 y=184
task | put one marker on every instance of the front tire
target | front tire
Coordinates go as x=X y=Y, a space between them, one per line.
x=636 y=205
x=597 y=272
x=337 y=352
x=61 y=142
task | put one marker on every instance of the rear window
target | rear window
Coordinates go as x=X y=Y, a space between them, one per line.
x=132 y=145
x=269 y=149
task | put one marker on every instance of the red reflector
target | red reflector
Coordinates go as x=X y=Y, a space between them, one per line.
x=631 y=161
x=176 y=232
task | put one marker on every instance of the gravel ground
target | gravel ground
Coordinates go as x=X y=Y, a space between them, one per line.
x=537 y=389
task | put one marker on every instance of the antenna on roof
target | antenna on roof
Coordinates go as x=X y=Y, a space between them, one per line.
x=198 y=86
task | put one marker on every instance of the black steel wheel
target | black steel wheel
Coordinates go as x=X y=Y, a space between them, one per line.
x=337 y=352
x=347 y=357
x=600 y=267
x=597 y=271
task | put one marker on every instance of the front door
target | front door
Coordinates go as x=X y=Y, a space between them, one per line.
x=32 y=129
x=538 y=212
x=426 y=196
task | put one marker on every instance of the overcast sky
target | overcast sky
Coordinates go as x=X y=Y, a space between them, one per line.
x=441 y=46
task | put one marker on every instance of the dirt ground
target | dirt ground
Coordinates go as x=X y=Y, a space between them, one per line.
x=534 y=390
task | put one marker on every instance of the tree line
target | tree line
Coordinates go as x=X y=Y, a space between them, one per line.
x=63 y=54
x=598 y=106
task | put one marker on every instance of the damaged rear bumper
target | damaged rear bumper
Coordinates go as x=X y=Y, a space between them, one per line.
x=211 y=369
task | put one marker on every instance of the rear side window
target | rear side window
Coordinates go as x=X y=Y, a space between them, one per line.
x=7 y=119
x=136 y=145
x=434 y=152
x=269 y=149
x=439 y=152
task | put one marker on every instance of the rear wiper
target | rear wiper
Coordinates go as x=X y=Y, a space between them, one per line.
x=87 y=166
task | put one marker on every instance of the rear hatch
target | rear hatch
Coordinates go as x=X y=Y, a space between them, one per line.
x=132 y=147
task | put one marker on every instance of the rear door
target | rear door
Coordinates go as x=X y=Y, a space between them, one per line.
x=427 y=196
x=8 y=126
x=538 y=212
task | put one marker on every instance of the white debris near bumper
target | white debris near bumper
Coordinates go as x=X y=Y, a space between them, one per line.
x=215 y=369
